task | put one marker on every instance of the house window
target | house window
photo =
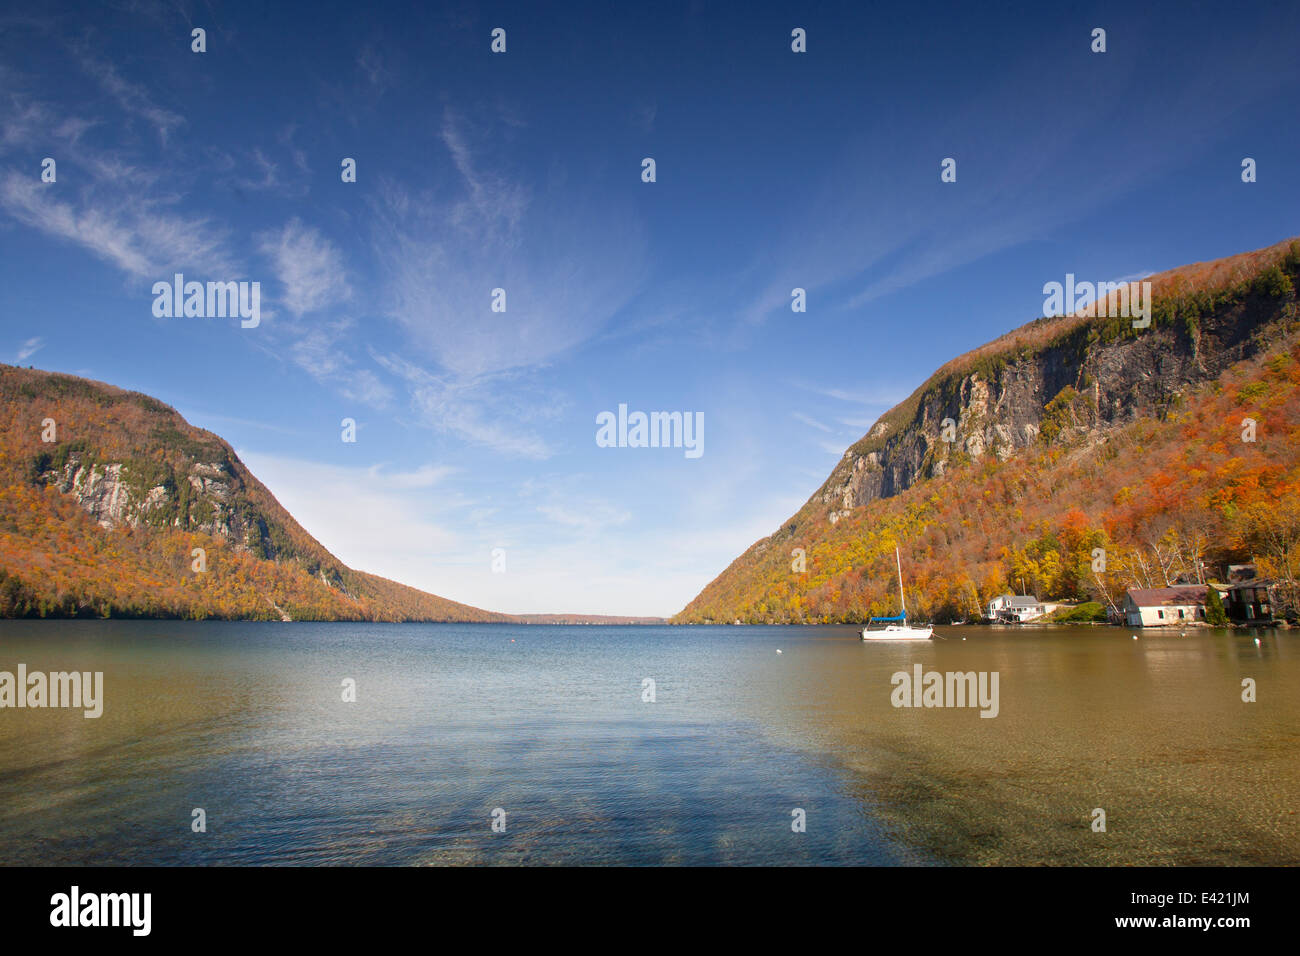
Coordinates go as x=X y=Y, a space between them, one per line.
x=1180 y=614
x=1160 y=614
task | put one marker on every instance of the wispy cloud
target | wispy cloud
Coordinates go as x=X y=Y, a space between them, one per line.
x=426 y=476
x=116 y=209
x=869 y=397
x=809 y=421
x=588 y=517
x=486 y=410
x=131 y=97
x=309 y=267
x=200 y=417
x=325 y=352
x=299 y=156
x=29 y=348
x=375 y=68
x=865 y=408
x=858 y=422
x=130 y=232
x=566 y=267
x=266 y=172
x=575 y=503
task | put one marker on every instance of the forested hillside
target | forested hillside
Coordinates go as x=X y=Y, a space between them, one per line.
x=1081 y=455
x=111 y=504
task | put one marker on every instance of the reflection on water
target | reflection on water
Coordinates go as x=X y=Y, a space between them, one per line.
x=548 y=723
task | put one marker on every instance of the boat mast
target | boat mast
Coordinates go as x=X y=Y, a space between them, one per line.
x=901 y=600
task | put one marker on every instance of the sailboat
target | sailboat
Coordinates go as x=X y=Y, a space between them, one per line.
x=897 y=632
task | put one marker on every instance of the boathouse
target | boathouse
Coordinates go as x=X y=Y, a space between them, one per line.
x=1251 y=602
x=1165 y=607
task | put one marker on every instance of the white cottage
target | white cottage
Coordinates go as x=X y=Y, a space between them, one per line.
x=1015 y=608
x=1165 y=607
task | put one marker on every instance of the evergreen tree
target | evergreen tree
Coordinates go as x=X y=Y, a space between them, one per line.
x=1214 y=612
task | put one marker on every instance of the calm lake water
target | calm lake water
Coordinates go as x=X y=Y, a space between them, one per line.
x=451 y=722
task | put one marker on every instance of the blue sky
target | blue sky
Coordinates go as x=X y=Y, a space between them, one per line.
x=522 y=171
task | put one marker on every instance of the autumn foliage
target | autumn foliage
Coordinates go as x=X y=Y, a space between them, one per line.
x=1172 y=496
x=57 y=560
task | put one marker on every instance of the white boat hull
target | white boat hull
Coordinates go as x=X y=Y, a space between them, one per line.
x=898 y=632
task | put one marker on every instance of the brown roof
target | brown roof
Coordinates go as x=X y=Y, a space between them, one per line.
x=1162 y=597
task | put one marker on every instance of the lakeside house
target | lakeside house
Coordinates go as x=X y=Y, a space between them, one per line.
x=1251 y=601
x=1165 y=607
x=1015 y=609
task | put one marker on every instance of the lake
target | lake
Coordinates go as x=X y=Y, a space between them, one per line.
x=552 y=725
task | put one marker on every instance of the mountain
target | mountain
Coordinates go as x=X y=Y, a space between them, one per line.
x=109 y=498
x=1082 y=455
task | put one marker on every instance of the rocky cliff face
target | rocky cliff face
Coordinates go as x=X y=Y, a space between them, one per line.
x=101 y=492
x=1064 y=372
x=110 y=496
